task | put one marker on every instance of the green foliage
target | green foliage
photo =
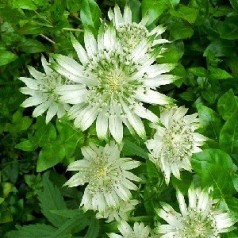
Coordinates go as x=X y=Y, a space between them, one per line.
x=229 y=135
x=65 y=221
x=215 y=168
x=90 y=14
x=203 y=46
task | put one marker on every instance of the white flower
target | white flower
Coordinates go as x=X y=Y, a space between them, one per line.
x=113 y=84
x=199 y=219
x=131 y=33
x=138 y=231
x=43 y=94
x=107 y=175
x=175 y=141
x=120 y=212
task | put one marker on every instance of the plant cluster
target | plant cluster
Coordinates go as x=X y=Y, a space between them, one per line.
x=138 y=100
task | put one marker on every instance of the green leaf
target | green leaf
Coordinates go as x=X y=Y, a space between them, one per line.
x=36 y=231
x=90 y=14
x=44 y=133
x=25 y=145
x=24 y=4
x=1 y=200
x=153 y=9
x=180 y=30
x=73 y=5
x=234 y=4
x=198 y=71
x=215 y=168
x=31 y=46
x=93 y=229
x=229 y=134
x=186 y=13
x=173 y=3
x=76 y=223
x=217 y=73
x=228 y=29
x=51 y=199
x=210 y=122
x=219 y=48
x=227 y=104
x=132 y=149
x=173 y=53
x=6 y=57
x=69 y=137
x=50 y=155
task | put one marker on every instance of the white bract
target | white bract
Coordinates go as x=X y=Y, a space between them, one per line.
x=131 y=33
x=107 y=177
x=42 y=88
x=139 y=230
x=200 y=219
x=120 y=212
x=175 y=141
x=113 y=84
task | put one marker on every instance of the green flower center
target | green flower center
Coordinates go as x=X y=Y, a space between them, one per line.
x=131 y=34
x=197 y=225
x=179 y=142
x=49 y=84
x=114 y=73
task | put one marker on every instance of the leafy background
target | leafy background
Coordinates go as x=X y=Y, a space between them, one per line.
x=34 y=156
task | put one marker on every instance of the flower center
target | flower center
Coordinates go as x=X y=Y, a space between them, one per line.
x=49 y=84
x=114 y=72
x=102 y=172
x=198 y=226
x=179 y=141
x=131 y=34
x=115 y=80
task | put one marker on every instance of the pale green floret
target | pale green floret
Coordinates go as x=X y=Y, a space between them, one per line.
x=198 y=219
x=139 y=230
x=131 y=33
x=113 y=84
x=175 y=141
x=109 y=182
x=43 y=91
x=119 y=213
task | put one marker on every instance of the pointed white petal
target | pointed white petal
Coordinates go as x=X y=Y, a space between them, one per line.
x=45 y=65
x=182 y=204
x=145 y=113
x=160 y=80
x=82 y=55
x=32 y=101
x=127 y=15
x=118 y=16
x=69 y=64
x=30 y=83
x=36 y=74
x=116 y=128
x=134 y=120
x=52 y=111
x=153 y=97
x=39 y=110
x=88 y=118
x=90 y=43
x=74 y=97
x=102 y=125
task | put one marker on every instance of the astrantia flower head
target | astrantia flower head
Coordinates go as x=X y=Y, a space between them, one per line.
x=42 y=89
x=131 y=33
x=114 y=84
x=120 y=212
x=175 y=141
x=107 y=175
x=200 y=219
x=139 y=230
